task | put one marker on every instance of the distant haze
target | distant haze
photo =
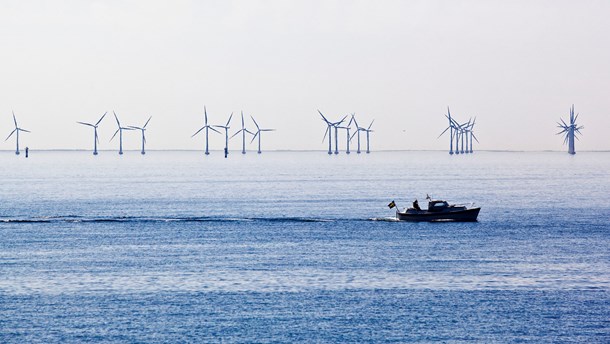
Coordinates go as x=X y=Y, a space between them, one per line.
x=516 y=65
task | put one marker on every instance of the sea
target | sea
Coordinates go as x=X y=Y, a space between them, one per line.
x=301 y=247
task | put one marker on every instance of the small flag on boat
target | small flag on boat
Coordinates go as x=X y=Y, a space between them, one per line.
x=391 y=205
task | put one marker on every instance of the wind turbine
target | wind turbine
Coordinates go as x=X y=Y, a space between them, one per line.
x=206 y=127
x=16 y=132
x=458 y=133
x=465 y=127
x=570 y=130
x=120 y=131
x=243 y=131
x=368 y=131
x=226 y=128
x=347 y=129
x=258 y=133
x=472 y=136
x=143 y=129
x=450 y=128
x=328 y=131
x=96 y=140
x=357 y=132
x=336 y=126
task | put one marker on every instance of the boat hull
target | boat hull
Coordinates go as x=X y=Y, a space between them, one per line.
x=467 y=215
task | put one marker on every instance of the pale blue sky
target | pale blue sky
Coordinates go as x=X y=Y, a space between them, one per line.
x=516 y=65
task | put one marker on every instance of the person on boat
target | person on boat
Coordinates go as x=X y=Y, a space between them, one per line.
x=416 y=205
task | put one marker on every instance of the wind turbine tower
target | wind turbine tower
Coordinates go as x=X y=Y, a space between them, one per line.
x=357 y=132
x=207 y=128
x=458 y=133
x=347 y=129
x=465 y=127
x=368 y=131
x=570 y=130
x=120 y=132
x=328 y=131
x=336 y=125
x=451 y=130
x=143 y=129
x=258 y=133
x=16 y=132
x=243 y=132
x=226 y=128
x=471 y=132
x=96 y=140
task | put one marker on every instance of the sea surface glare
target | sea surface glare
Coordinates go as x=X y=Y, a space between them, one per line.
x=301 y=247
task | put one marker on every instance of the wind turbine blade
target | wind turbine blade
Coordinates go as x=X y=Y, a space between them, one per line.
x=117 y=119
x=242 y=120
x=370 y=125
x=256 y=124
x=198 y=131
x=98 y=122
x=326 y=132
x=341 y=121
x=27 y=131
x=11 y=134
x=97 y=139
x=229 y=121
x=116 y=132
x=205 y=113
x=145 y=124
x=91 y=125
x=239 y=131
x=354 y=134
x=214 y=130
x=474 y=137
x=14 y=119
x=443 y=132
x=253 y=137
x=324 y=118
x=267 y=130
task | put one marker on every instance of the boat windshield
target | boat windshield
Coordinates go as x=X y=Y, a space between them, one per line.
x=437 y=205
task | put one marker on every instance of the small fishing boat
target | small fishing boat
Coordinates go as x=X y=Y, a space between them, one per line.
x=437 y=211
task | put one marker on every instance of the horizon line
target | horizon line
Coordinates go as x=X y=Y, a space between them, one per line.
x=307 y=150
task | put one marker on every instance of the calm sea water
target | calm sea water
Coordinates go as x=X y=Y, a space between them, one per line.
x=300 y=247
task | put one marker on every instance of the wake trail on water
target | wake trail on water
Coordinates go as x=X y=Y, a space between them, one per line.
x=146 y=219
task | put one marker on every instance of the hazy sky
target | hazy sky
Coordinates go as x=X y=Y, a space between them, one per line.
x=516 y=65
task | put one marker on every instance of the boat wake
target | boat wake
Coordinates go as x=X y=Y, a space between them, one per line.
x=144 y=219
x=384 y=219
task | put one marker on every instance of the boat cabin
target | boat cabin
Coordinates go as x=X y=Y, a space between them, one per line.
x=437 y=205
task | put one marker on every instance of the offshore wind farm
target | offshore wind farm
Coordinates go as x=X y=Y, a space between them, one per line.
x=461 y=135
